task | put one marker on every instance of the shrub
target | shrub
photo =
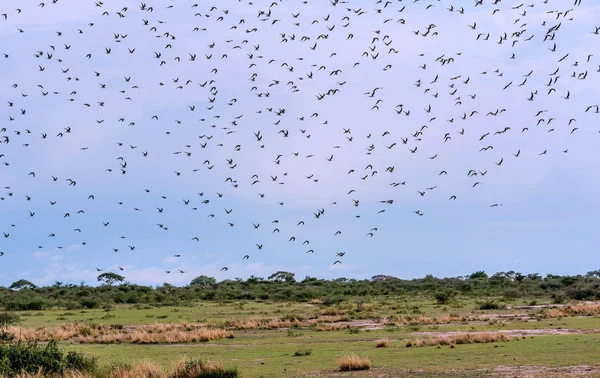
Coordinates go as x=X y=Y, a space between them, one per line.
x=89 y=303
x=24 y=302
x=558 y=298
x=31 y=358
x=351 y=362
x=302 y=353
x=512 y=293
x=189 y=368
x=382 y=343
x=332 y=300
x=442 y=298
x=491 y=305
x=583 y=293
x=70 y=305
x=8 y=318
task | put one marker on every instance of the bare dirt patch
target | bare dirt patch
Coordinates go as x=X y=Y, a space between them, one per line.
x=509 y=332
x=498 y=372
x=545 y=371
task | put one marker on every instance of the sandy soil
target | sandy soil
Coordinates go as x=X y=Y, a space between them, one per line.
x=545 y=371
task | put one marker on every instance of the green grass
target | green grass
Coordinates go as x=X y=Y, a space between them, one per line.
x=219 y=312
x=271 y=353
x=129 y=314
x=274 y=356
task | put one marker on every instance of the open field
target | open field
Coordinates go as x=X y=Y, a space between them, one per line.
x=264 y=339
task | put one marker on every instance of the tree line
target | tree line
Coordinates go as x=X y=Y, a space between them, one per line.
x=283 y=286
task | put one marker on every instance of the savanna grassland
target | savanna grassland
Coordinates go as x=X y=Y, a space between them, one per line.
x=505 y=325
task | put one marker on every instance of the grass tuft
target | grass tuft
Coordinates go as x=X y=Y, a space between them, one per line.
x=352 y=362
x=581 y=309
x=459 y=338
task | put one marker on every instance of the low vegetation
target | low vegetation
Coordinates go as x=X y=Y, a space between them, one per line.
x=119 y=323
x=32 y=360
x=24 y=295
x=84 y=333
x=580 y=309
x=353 y=362
x=460 y=338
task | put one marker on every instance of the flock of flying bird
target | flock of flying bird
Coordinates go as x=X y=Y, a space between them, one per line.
x=128 y=85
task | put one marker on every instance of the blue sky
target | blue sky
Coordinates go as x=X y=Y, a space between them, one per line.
x=548 y=218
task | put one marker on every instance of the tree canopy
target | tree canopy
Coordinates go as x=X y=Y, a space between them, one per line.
x=22 y=284
x=109 y=278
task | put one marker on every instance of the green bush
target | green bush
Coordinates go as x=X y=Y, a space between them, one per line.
x=332 y=300
x=302 y=353
x=25 y=303
x=30 y=357
x=558 y=298
x=491 y=305
x=512 y=294
x=442 y=297
x=90 y=303
x=585 y=293
x=8 y=318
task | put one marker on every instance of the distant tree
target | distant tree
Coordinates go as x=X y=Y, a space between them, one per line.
x=22 y=284
x=109 y=278
x=253 y=279
x=203 y=281
x=282 y=276
x=593 y=274
x=534 y=276
x=57 y=284
x=381 y=277
x=478 y=274
x=552 y=277
x=309 y=279
x=165 y=288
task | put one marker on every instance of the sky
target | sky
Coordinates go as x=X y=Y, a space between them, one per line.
x=155 y=114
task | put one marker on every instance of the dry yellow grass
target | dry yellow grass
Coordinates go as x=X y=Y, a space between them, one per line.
x=261 y=324
x=581 y=309
x=146 y=369
x=141 y=334
x=459 y=338
x=424 y=320
x=382 y=343
x=185 y=368
x=276 y=323
x=352 y=361
x=40 y=374
x=331 y=327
